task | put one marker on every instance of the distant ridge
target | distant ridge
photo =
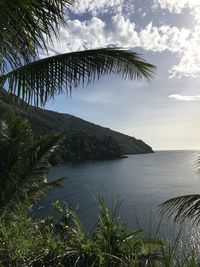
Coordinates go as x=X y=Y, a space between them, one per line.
x=45 y=121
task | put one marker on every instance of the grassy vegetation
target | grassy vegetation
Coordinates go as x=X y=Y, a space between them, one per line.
x=62 y=241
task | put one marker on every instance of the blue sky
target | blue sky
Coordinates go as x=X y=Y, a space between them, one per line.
x=164 y=113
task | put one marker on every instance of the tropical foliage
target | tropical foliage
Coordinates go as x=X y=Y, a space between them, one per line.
x=41 y=80
x=23 y=161
x=183 y=207
x=26 y=27
x=63 y=242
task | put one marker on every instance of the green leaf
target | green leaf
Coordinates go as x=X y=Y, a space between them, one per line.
x=183 y=207
x=151 y=245
x=26 y=26
x=23 y=162
x=42 y=80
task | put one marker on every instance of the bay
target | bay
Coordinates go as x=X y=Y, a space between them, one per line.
x=142 y=181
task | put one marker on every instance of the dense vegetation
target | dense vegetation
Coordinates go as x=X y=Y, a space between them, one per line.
x=25 y=27
x=24 y=162
x=80 y=146
x=62 y=241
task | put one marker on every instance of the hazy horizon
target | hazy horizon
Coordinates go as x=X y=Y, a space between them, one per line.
x=165 y=113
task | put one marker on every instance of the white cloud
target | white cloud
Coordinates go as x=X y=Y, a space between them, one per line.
x=164 y=38
x=95 y=33
x=189 y=64
x=100 y=7
x=185 y=97
x=121 y=31
x=96 y=7
x=177 y=6
x=189 y=55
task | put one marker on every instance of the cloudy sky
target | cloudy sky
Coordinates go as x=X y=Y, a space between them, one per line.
x=164 y=113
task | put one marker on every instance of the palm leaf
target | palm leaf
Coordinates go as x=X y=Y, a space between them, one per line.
x=23 y=167
x=183 y=207
x=26 y=26
x=41 y=80
x=16 y=138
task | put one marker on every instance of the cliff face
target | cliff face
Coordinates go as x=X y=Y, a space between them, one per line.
x=46 y=121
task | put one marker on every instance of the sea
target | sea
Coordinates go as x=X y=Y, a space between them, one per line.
x=140 y=182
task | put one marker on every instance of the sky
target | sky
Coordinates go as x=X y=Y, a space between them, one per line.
x=164 y=113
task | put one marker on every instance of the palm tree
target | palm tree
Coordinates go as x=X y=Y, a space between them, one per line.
x=26 y=26
x=23 y=162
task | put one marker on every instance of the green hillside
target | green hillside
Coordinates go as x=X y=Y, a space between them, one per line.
x=46 y=121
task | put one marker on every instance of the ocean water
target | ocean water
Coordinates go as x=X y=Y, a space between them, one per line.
x=142 y=182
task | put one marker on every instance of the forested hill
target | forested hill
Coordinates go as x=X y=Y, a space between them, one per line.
x=46 y=121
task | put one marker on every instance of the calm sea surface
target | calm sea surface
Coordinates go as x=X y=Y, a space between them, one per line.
x=142 y=181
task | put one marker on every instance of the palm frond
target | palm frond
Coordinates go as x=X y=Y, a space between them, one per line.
x=25 y=26
x=16 y=138
x=24 y=169
x=41 y=80
x=183 y=207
